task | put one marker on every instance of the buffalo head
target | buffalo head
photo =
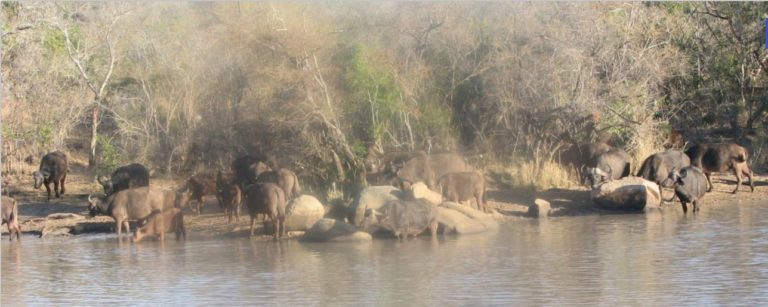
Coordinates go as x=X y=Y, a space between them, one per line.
x=596 y=176
x=106 y=183
x=96 y=205
x=40 y=178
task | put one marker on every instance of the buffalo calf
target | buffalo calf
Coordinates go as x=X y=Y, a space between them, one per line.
x=404 y=217
x=159 y=223
x=229 y=195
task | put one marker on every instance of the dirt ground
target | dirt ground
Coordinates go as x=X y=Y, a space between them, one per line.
x=71 y=209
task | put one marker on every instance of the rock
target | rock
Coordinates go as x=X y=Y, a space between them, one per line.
x=328 y=230
x=420 y=190
x=627 y=194
x=540 y=208
x=302 y=212
x=456 y=218
x=373 y=197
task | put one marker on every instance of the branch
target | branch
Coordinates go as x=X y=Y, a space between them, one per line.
x=77 y=62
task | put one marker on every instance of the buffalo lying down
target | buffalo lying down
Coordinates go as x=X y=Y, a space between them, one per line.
x=53 y=169
x=404 y=217
x=717 y=158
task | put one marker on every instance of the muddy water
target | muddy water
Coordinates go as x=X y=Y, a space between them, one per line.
x=719 y=256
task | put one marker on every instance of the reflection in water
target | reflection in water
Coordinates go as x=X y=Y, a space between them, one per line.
x=719 y=256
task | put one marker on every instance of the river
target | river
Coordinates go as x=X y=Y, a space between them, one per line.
x=718 y=256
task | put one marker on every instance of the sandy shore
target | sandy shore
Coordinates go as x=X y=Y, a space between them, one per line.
x=37 y=215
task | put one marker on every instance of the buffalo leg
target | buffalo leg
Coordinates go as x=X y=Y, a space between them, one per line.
x=253 y=224
x=433 y=229
x=695 y=206
x=748 y=173
x=709 y=181
x=128 y=227
x=685 y=207
x=63 y=178
x=480 y=205
x=119 y=226
x=48 y=188
x=737 y=172
x=56 y=188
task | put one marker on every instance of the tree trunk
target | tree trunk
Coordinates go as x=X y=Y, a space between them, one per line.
x=94 y=134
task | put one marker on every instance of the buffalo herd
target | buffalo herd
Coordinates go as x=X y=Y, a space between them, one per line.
x=688 y=173
x=266 y=189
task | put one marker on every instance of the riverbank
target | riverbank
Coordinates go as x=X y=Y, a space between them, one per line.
x=41 y=217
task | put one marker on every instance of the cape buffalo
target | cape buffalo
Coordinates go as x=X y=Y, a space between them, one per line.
x=242 y=168
x=132 y=204
x=656 y=167
x=10 y=212
x=125 y=177
x=284 y=178
x=458 y=187
x=404 y=217
x=690 y=185
x=722 y=157
x=229 y=195
x=429 y=168
x=583 y=155
x=200 y=185
x=269 y=199
x=53 y=168
x=159 y=223
x=610 y=165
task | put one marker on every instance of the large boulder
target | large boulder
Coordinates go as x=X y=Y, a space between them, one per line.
x=302 y=212
x=456 y=218
x=420 y=190
x=329 y=230
x=627 y=194
x=373 y=197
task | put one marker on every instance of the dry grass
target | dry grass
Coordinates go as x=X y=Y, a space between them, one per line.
x=526 y=174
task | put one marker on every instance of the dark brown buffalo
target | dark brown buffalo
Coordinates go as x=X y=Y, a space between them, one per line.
x=10 y=211
x=132 y=204
x=720 y=158
x=229 y=195
x=125 y=177
x=53 y=168
x=200 y=185
x=242 y=168
x=269 y=199
x=429 y=168
x=611 y=165
x=583 y=155
x=403 y=217
x=159 y=223
x=656 y=167
x=284 y=178
x=690 y=186
x=458 y=187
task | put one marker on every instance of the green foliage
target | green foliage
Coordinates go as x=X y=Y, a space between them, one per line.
x=375 y=97
x=45 y=135
x=55 y=42
x=111 y=157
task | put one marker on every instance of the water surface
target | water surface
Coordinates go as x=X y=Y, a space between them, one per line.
x=718 y=256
